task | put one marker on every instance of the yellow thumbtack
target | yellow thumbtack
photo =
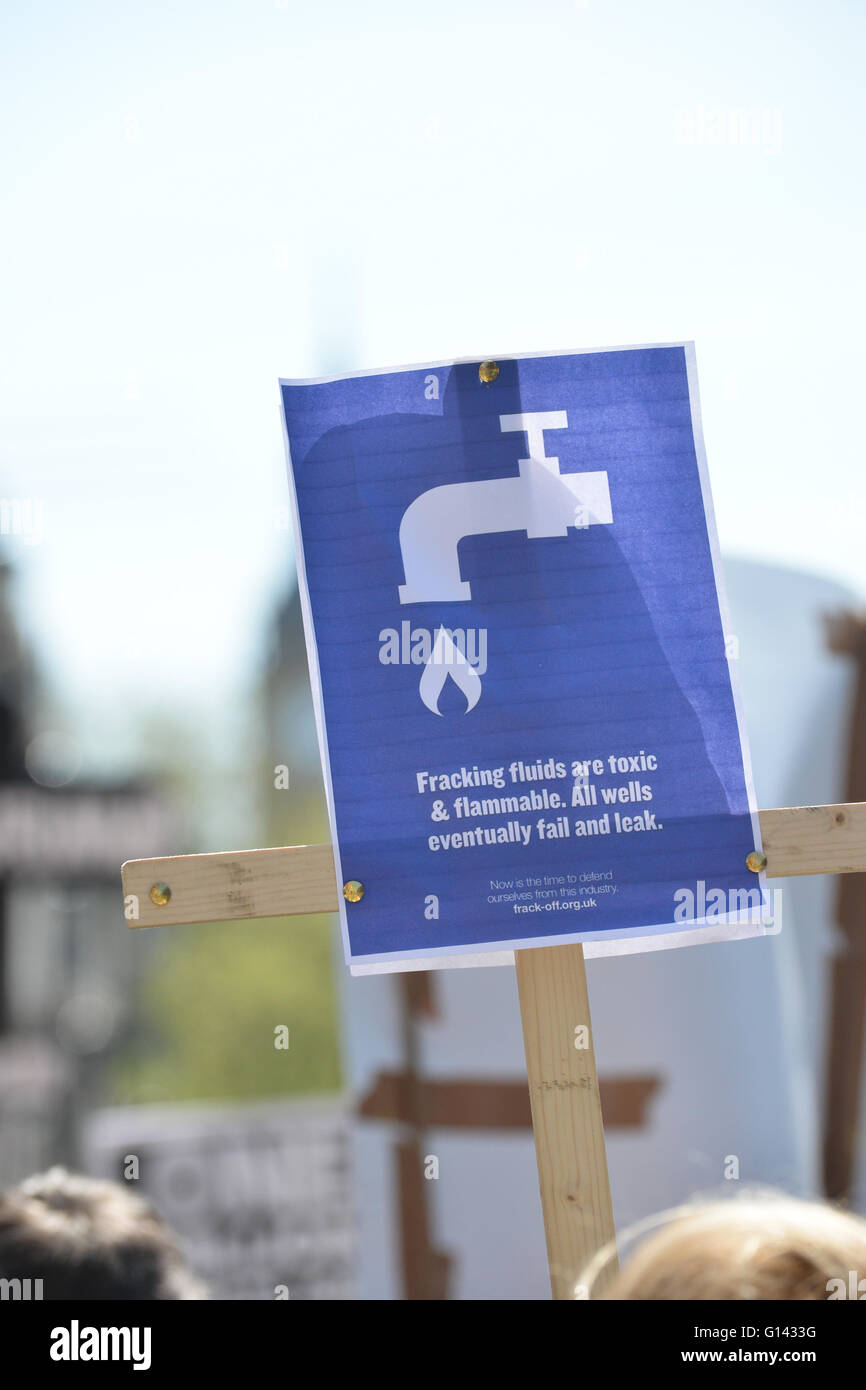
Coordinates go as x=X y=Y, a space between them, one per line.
x=488 y=372
x=353 y=891
x=756 y=862
x=160 y=894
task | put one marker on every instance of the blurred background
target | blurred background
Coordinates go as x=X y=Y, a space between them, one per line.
x=197 y=199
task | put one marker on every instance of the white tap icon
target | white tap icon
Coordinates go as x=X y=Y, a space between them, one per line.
x=540 y=501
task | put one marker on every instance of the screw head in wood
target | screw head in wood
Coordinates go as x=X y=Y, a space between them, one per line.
x=353 y=891
x=160 y=894
x=756 y=862
x=488 y=372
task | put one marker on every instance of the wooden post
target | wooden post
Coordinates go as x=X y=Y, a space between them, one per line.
x=566 y=1112
x=563 y=1084
x=846 y=1005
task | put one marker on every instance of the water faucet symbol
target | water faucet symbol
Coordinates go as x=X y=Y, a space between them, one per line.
x=540 y=501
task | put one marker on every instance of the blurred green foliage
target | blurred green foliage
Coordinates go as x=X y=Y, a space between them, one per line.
x=211 y=1000
x=209 y=997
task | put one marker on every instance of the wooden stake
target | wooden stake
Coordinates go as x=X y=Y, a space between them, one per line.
x=566 y=1112
x=563 y=1084
x=846 y=1006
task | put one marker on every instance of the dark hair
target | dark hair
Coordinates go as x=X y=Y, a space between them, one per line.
x=89 y=1239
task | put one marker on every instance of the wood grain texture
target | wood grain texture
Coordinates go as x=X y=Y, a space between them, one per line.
x=224 y=887
x=278 y=882
x=815 y=839
x=566 y=1113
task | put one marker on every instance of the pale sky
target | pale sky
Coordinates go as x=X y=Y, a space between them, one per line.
x=196 y=199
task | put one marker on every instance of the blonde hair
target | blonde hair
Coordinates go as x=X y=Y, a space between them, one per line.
x=754 y=1247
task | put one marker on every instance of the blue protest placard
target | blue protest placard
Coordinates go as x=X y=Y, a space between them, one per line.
x=525 y=690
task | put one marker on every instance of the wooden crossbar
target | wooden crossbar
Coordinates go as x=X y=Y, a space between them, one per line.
x=283 y=882
x=563 y=1080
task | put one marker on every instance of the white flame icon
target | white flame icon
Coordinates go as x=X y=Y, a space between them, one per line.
x=446 y=659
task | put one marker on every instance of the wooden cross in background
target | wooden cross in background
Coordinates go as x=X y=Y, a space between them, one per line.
x=564 y=1090
x=418 y=1103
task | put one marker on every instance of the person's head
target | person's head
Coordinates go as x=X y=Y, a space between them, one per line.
x=753 y=1248
x=89 y=1239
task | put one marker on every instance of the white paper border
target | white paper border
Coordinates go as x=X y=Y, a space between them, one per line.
x=626 y=941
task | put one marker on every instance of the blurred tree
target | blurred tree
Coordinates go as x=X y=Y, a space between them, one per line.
x=213 y=1002
x=211 y=996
